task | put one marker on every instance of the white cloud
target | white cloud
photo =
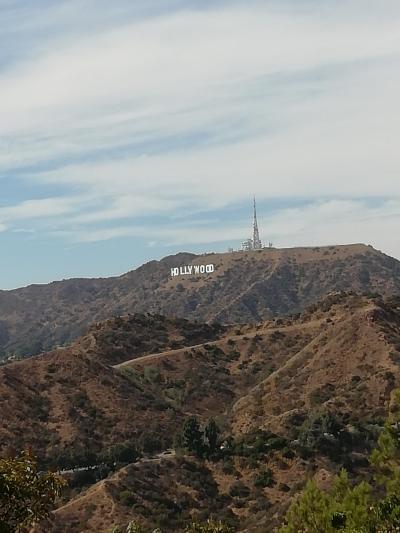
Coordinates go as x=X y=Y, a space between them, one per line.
x=127 y=206
x=338 y=222
x=42 y=208
x=292 y=101
x=312 y=224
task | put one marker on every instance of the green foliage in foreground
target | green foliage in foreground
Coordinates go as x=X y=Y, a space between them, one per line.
x=26 y=495
x=362 y=508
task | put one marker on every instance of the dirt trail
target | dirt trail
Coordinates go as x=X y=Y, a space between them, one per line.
x=263 y=331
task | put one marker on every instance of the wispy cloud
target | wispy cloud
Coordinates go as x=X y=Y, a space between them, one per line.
x=43 y=208
x=314 y=223
x=127 y=112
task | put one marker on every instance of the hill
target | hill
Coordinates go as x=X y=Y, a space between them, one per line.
x=294 y=397
x=71 y=400
x=162 y=490
x=244 y=287
x=349 y=366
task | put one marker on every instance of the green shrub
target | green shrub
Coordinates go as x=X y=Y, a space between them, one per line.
x=264 y=479
x=126 y=497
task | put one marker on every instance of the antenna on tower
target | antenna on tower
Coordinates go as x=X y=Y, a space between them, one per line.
x=257 y=244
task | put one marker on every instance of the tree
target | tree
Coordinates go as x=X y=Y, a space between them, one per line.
x=309 y=513
x=26 y=495
x=192 y=437
x=343 y=507
x=211 y=434
x=386 y=457
x=122 y=453
x=361 y=508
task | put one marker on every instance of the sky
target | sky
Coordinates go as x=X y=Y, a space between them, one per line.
x=134 y=130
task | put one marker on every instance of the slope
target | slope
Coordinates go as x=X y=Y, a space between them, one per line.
x=350 y=366
x=322 y=382
x=72 y=400
x=245 y=287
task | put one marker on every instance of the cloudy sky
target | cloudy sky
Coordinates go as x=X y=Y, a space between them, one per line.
x=131 y=130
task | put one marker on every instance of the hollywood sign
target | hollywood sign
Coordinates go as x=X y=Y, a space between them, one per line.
x=190 y=270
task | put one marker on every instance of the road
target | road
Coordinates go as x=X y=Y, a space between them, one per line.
x=166 y=453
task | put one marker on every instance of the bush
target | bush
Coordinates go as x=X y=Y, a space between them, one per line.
x=264 y=479
x=126 y=497
x=239 y=490
x=122 y=453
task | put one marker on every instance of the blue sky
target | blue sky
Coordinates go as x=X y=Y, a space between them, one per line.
x=132 y=130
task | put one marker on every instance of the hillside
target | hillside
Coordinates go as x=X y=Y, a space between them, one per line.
x=295 y=397
x=245 y=287
x=164 y=491
x=72 y=399
x=349 y=367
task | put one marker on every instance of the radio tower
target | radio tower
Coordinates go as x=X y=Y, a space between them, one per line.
x=257 y=245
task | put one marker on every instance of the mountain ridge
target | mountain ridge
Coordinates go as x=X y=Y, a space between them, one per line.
x=245 y=287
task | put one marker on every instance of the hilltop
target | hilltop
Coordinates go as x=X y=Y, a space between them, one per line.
x=299 y=397
x=245 y=287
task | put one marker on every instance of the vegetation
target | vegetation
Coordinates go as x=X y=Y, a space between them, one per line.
x=26 y=495
x=192 y=437
x=202 y=443
x=264 y=479
x=211 y=437
x=245 y=480
x=210 y=526
x=366 y=507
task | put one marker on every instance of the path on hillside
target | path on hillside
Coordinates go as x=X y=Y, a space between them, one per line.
x=171 y=353
x=154 y=458
x=106 y=482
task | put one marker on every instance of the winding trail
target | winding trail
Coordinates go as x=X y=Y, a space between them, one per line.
x=248 y=335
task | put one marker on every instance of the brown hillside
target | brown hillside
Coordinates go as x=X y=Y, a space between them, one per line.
x=245 y=287
x=350 y=366
x=340 y=357
x=160 y=492
x=318 y=385
x=73 y=398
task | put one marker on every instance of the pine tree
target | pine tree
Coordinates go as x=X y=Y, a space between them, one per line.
x=359 y=508
x=312 y=513
x=211 y=433
x=386 y=457
x=192 y=437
